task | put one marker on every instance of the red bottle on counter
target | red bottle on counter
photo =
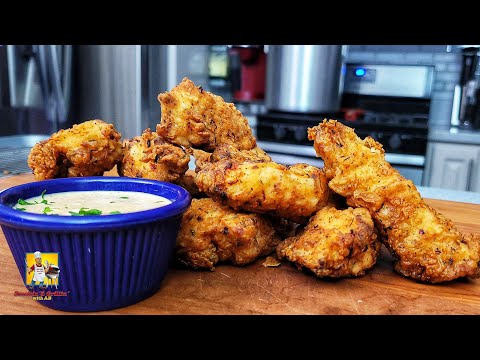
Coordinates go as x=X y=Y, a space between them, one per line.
x=247 y=72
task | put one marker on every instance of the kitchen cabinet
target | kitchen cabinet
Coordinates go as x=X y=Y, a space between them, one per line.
x=453 y=166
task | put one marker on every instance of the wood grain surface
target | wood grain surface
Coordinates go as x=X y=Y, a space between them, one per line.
x=255 y=289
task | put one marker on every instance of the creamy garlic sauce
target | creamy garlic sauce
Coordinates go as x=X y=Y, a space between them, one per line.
x=97 y=202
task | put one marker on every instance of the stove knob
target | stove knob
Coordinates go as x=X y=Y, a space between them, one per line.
x=395 y=142
x=299 y=134
x=279 y=132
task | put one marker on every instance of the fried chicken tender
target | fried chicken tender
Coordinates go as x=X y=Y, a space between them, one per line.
x=335 y=243
x=231 y=152
x=86 y=149
x=244 y=180
x=151 y=157
x=426 y=246
x=224 y=151
x=228 y=152
x=193 y=117
x=212 y=233
x=187 y=181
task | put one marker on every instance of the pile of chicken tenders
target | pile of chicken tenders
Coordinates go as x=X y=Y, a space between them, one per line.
x=331 y=221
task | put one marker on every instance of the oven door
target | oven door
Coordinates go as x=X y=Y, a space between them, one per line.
x=409 y=166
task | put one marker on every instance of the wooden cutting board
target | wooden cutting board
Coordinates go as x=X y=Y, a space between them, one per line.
x=255 y=289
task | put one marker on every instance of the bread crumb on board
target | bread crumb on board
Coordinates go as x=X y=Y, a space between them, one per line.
x=271 y=261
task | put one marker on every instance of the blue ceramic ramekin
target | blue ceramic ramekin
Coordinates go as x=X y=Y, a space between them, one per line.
x=105 y=262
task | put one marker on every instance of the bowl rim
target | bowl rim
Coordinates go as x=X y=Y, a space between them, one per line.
x=47 y=223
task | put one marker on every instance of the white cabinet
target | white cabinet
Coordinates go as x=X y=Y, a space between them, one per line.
x=453 y=166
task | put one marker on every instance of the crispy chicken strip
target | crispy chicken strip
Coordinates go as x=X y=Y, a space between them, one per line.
x=427 y=246
x=228 y=152
x=211 y=233
x=231 y=152
x=187 y=181
x=335 y=243
x=245 y=180
x=283 y=227
x=86 y=149
x=151 y=157
x=224 y=151
x=193 y=117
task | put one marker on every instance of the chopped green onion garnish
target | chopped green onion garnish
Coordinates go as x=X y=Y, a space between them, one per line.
x=86 y=211
x=23 y=202
x=44 y=201
x=47 y=210
x=114 y=212
x=21 y=209
x=123 y=197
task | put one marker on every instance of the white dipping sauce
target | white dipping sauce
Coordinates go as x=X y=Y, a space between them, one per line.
x=97 y=202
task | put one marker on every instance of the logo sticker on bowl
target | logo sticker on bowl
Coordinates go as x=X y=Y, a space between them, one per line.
x=42 y=276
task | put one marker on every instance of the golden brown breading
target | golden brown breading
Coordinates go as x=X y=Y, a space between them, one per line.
x=228 y=152
x=151 y=157
x=46 y=161
x=86 y=149
x=426 y=245
x=335 y=243
x=231 y=152
x=187 y=181
x=292 y=192
x=193 y=117
x=211 y=233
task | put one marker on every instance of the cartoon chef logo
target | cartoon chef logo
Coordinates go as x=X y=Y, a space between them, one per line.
x=42 y=269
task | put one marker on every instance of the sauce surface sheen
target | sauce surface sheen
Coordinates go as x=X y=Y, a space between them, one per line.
x=96 y=202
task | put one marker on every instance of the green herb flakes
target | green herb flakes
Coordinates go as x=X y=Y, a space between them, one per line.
x=86 y=211
x=23 y=202
x=47 y=210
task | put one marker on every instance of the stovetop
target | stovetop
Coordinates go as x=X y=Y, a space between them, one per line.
x=398 y=133
x=417 y=121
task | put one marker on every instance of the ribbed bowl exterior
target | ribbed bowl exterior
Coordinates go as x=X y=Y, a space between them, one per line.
x=101 y=270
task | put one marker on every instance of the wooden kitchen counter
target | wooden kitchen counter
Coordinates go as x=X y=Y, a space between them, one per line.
x=255 y=289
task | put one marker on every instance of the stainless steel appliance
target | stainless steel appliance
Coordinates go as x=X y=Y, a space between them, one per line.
x=390 y=103
x=466 y=97
x=304 y=78
x=35 y=92
x=35 y=88
x=120 y=83
x=468 y=83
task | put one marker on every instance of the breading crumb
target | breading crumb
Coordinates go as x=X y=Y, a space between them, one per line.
x=271 y=261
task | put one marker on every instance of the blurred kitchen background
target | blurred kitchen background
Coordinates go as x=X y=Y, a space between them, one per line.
x=422 y=102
